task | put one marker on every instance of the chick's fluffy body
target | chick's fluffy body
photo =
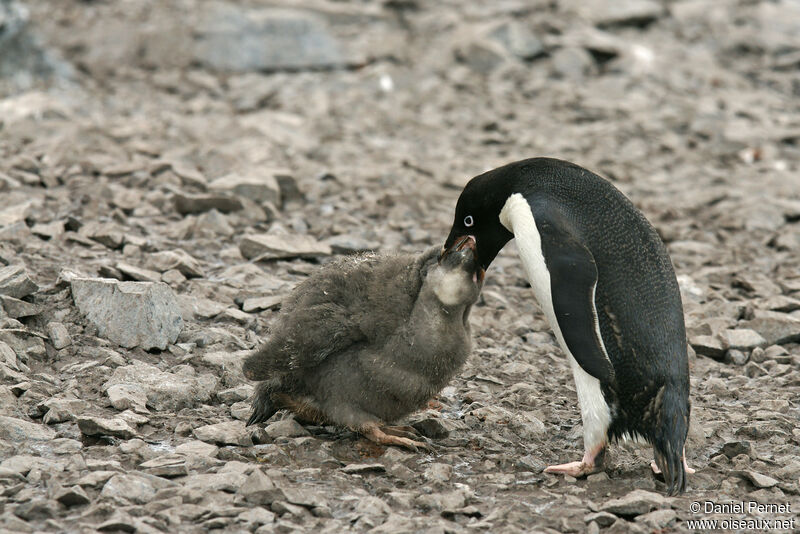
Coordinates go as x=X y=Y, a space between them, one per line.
x=365 y=339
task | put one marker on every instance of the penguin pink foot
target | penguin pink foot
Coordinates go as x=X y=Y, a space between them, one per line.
x=592 y=462
x=686 y=467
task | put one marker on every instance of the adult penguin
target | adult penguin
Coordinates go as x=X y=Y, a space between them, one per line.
x=606 y=285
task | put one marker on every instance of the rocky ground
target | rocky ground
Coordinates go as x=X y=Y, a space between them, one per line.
x=163 y=142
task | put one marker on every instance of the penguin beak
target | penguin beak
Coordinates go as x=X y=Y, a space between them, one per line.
x=459 y=244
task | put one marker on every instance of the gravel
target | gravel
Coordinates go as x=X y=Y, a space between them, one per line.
x=138 y=151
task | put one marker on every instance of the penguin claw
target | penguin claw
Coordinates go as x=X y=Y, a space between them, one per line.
x=686 y=467
x=374 y=433
x=401 y=431
x=575 y=469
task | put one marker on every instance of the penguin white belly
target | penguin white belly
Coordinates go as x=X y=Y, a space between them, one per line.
x=517 y=217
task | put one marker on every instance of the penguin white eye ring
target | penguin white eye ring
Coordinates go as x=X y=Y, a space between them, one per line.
x=468 y=221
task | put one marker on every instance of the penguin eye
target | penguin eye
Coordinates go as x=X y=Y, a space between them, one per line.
x=468 y=221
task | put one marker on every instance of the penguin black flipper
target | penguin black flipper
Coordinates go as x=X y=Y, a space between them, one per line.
x=573 y=281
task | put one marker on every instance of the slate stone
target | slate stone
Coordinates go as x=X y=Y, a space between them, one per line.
x=187 y=204
x=236 y=394
x=431 y=428
x=635 y=503
x=624 y=12
x=572 y=63
x=98 y=426
x=759 y=480
x=128 y=397
x=107 y=234
x=255 y=304
x=273 y=247
x=72 y=496
x=59 y=335
x=36 y=509
x=518 y=39
x=131 y=314
x=482 y=56
x=165 y=391
x=138 y=274
x=357 y=469
x=128 y=487
x=197 y=448
x=735 y=448
x=176 y=259
x=19 y=430
x=775 y=327
x=171 y=465
x=741 y=339
x=233 y=37
x=16 y=308
x=286 y=428
x=736 y=357
x=710 y=346
x=259 y=185
x=349 y=244
x=226 y=433
x=15 y=282
x=259 y=489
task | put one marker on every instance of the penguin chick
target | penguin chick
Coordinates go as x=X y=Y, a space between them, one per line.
x=367 y=340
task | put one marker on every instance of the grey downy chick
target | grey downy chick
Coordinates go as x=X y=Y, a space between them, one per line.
x=367 y=340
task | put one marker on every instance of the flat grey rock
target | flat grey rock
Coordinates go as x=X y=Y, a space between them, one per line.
x=15 y=282
x=177 y=259
x=775 y=327
x=741 y=339
x=356 y=469
x=59 y=335
x=274 y=247
x=128 y=396
x=18 y=308
x=623 y=12
x=168 y=466
x=286 y=428
x=759 y=480
x=635 y=503
x=131 y=314
x=129 y=488
x=518 y=39
x=97 y=426
x=19 y=430
x=350 y=243
x=233 y=37
x=259 y=489
x=186 y=203
x=72 y=496
x=164 y=391
x=197 y=448
x=710 y=346
x=236 y=394
x=259 y=185
x=139 y=274
x=255 y=304
x=226 y=433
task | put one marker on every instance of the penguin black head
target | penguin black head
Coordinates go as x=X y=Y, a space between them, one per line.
x=478 y=216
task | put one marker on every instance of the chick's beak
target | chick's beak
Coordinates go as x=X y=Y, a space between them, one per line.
x=460 y=243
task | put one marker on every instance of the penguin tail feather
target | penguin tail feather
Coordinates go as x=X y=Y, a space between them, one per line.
x=263 y=406
x=669 y=439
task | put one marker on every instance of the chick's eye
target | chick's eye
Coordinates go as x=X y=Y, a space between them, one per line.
x=468 y=221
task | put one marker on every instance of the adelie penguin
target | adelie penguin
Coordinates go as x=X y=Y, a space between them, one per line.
x=369 y=339
x=607 y=288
